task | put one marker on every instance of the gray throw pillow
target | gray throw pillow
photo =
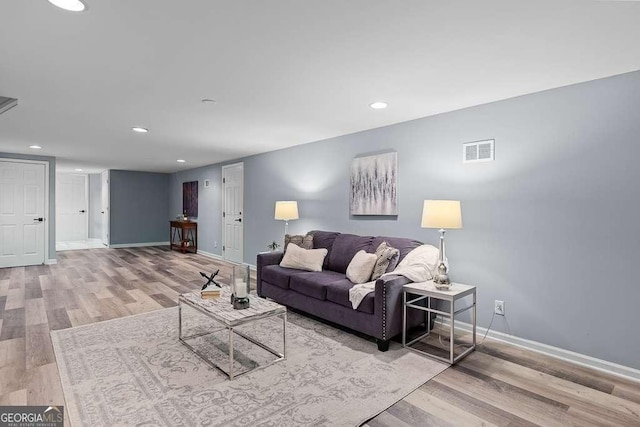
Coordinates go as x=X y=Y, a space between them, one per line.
x=305 y=242
x=385 y=257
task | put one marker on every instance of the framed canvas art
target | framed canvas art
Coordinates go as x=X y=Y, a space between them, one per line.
x=190 y=198
x=374 y=181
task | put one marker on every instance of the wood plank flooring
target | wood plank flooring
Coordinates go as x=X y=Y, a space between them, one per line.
x=503 y=385
x=497 y=385
x=85 y=286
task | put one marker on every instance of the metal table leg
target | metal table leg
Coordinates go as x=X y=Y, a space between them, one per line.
x=230 y=353
x=452 y=332
x=475 y=309
x=284 y=335
x=404 y=318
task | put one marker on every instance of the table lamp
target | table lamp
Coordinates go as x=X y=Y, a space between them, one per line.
x=442 y=214
x=286 y=211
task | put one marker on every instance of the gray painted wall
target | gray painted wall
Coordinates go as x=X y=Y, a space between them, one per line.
x=139 y=207
x=95 y=206
x=550 y=227
x=209 y=204
x=52 y=195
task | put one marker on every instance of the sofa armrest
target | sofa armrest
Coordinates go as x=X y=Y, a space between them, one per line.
x=264 y=259
x=388 y=305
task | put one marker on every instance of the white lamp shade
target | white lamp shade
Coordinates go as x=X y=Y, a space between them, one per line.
x=286 y=210
x=441 y=214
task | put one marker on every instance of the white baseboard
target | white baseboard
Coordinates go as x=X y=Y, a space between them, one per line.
x=50 y=261
x=137 y=245
x=210 y=255
x=549 y=350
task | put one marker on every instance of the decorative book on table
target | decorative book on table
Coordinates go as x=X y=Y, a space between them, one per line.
x=211 y=292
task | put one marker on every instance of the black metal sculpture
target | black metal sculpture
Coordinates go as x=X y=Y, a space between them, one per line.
x=210 y=279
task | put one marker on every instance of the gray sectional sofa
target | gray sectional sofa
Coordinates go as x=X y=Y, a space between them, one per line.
x=325 y=294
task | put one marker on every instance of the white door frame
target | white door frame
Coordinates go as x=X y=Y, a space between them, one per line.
x=86 y=199
x=47 y=207
x=222 y=216
x=106 y=211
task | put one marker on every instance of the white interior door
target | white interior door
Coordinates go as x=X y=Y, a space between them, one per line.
x=232 y=211
x=22 y=207
x=71 y=208
x=105 y=208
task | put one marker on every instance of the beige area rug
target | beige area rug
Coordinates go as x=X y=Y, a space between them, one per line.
x=134 y=371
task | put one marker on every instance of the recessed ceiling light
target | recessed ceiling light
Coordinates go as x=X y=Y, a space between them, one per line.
x=70 y=5
x=139 y=129
x=35 y=147
x=378 y=105
x=209 y=101
x=180 y=161
x=78 y=170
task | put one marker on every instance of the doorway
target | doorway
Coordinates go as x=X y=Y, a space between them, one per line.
x=24 y=189
x=72 y=207
x=232 y=212
x=104 y=202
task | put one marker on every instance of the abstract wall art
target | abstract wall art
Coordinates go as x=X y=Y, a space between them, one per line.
x=374 y=181
x=190 y=198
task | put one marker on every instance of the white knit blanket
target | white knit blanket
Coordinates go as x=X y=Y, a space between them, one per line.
x=417 y=266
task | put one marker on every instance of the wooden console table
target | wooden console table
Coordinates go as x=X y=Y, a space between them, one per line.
x=183 y=236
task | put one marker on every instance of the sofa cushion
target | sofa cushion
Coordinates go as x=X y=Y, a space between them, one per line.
x=278 y=276
x=324 y=239
x=404 y=245
x=303 y=259
x=314 y=284
x=344 y=248
x=338 y=292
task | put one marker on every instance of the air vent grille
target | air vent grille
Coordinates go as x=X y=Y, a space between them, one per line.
x=478 y=151
x=7 y=103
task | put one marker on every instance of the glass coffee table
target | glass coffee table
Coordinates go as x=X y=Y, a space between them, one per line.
x=222 y=312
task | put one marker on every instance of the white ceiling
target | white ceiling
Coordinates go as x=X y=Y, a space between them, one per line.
x=283 y=72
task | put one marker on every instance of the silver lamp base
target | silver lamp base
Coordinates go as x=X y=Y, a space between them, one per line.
x=441 y=278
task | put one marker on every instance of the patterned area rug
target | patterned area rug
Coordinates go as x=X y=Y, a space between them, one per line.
x=134 y=371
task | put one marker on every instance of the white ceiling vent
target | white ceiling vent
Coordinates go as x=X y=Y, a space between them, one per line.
x=479 y=151
x=7 y=103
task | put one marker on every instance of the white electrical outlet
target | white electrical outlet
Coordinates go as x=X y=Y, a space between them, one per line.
x=499 y=308
x=215 y=244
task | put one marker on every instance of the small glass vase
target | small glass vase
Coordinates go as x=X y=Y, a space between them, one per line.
x=240 y=286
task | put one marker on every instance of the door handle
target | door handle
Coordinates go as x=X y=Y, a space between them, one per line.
x=82 y=211
x=238 y=220
x=38 y=219
x=102 y=212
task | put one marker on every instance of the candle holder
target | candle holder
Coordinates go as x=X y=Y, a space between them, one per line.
x=240 y=286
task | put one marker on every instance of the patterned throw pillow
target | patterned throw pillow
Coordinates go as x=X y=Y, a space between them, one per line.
x=305 y=242
x=386 y=255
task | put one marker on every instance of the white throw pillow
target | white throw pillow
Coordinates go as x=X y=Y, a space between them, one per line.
x=361 y=267
x=303 y=259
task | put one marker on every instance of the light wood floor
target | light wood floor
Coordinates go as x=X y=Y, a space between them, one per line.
x=496 y=385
